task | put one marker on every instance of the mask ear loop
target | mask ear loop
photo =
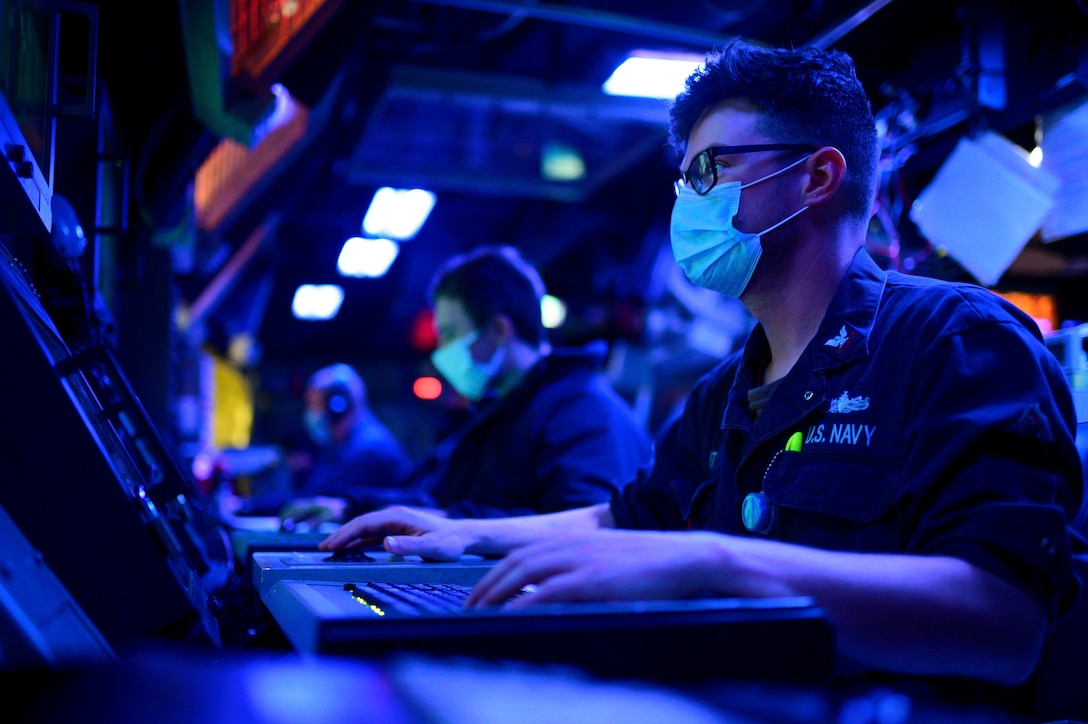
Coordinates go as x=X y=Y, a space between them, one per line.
x=783 y=170
x=775 y=226
x=779 y=172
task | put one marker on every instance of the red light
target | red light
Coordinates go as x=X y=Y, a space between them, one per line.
x=422 y=334
x=427 y=388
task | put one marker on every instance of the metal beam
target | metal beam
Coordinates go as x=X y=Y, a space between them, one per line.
x=598 y=19
x=833 y=35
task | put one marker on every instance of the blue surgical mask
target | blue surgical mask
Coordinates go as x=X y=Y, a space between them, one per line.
x=470 y=378
x=317 y=427
x=712 y=253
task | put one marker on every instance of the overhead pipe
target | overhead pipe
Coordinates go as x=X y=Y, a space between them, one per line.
x=832 y=35
x=590 y=18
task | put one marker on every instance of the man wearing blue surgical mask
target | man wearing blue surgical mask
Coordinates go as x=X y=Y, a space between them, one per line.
x=545 y=430
x=898 y=448
x=713 y=253
x=476 y=362
x=355 y=454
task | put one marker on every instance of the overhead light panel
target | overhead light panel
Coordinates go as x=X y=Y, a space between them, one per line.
x=317 y=302
x=397 y=213
x=367 y=257
x=652 y=74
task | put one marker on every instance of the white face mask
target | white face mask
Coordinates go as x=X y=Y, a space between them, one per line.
x=470 y=378
x=712 y=253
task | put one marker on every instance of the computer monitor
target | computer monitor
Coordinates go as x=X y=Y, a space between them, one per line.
x=89 y=482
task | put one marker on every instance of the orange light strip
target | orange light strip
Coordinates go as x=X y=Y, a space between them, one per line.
x=231 y=170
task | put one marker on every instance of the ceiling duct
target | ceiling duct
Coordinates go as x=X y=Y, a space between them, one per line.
x=487 y=133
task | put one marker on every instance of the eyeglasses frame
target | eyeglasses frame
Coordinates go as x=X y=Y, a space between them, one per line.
x=714 y=151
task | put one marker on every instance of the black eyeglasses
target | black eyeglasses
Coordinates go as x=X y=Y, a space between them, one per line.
x=702 y=174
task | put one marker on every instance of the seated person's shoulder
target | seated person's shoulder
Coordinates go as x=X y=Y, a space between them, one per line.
x=953 y=308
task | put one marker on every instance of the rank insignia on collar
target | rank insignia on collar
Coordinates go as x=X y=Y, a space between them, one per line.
x=842 y=341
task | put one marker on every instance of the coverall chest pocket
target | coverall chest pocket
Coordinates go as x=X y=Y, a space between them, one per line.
x=835 y=502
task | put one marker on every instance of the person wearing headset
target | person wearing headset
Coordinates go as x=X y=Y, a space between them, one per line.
x=356 y=453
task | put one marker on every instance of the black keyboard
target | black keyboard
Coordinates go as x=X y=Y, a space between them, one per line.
x=411 y=598
x=779 y=639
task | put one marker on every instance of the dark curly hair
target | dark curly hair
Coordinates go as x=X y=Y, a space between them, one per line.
x=806 y=95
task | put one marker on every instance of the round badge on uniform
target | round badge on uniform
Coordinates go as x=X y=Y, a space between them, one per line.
x=757 y=513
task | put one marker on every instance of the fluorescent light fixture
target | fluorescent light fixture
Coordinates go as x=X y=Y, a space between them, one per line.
x=398 y=213
x=560 y=162
x=553 y=311
x=367 y=257
x=317 y=301
x=650 y=74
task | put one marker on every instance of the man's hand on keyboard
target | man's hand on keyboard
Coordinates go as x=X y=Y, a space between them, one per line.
x=606 y=565
x=403 y=531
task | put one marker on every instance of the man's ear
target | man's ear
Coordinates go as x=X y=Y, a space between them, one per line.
x=826 y=172
x=502 y=326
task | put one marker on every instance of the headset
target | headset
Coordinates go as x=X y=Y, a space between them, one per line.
x=338 y=400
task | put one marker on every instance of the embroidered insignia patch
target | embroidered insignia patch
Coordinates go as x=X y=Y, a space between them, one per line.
x=1034 y=424
x=845 y=403
x=838 y=340
x=842 y=341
